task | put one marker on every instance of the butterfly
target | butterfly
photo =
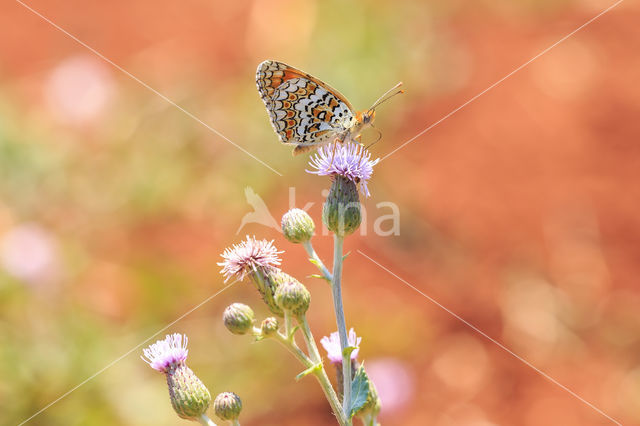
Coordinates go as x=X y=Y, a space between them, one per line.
x=308 y=113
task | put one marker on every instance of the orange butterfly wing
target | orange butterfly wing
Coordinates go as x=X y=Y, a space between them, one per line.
x=303 y=110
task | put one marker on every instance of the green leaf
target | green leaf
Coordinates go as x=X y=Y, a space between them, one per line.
x=315 y=262
x=345 y=256
x=313 y=369
x=359 y=391
x=347 y=351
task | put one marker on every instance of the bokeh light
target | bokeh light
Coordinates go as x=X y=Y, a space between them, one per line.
x=519 y=212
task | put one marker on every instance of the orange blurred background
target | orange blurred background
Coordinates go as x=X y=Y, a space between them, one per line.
x=518 y=212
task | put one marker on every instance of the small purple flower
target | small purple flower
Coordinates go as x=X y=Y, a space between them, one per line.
x=332 y=345
x=163 y=354
x=349 y=160
x=249 y=256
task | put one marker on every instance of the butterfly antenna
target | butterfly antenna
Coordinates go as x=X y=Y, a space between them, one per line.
x=387 y=95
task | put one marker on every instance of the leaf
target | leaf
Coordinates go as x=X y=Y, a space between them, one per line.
x=322 y=277
x=315 y=262
x=359 y=391
x=345 y=256
x=313 y=369
x=347 y=351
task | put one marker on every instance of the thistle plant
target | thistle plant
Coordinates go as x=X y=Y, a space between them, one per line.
x=349 y=167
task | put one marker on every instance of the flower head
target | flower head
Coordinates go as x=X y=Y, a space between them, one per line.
x=189 y=397
x=349 y=160
x=332 y=345
x=249 y=256
x=164 y=354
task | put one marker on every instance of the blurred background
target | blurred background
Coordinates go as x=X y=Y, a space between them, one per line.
x=519 y=212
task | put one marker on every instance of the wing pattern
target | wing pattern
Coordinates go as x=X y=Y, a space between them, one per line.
x=303 y=110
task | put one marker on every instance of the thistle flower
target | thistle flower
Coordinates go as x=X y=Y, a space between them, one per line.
x=247 y=257
x=189 y=397
x=331 y=344
x=168 y=353
x=349 y=160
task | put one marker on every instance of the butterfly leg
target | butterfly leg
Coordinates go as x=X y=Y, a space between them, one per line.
x=333 y=152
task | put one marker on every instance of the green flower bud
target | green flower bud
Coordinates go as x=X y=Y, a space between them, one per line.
x=297 y=226
x=190 y=398
x=227 y=406
x=341 y=210
x=268 y=284
x=294 y=297
x=269 y=326
x=238 y=318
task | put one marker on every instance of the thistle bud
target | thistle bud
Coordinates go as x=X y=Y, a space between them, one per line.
x=341 y=210
x=227 y=406
x=297 y=226
x=269 y=326
x=190 y=398
x=294 y=297
x=238 y=318
x=268 y=284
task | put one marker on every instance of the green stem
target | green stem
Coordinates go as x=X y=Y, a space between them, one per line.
x=336 y=288
x=308 y=337
x=294 y=349
x=319 y=374
x=206 y=421
x=287 y=325
x=235 y=422
x=318 y=262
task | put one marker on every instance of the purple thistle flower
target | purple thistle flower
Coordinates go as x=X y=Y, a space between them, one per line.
x=167 y=353
x=332 y=345
x=249 y=256
x=349 y=160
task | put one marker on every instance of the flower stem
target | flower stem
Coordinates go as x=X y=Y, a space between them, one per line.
x=336 y=288
x=308 y=337
x=287 y=324
x=206 y=421
x=318 y=262
x=320 y=374
x=235 y=422
x=294 y=349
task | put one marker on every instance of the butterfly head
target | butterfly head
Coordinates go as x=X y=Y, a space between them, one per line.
x=365 y=118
